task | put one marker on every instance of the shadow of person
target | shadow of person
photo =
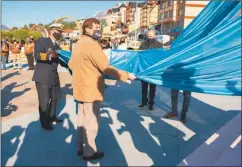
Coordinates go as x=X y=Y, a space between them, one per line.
x=9 y=75
x=65 y=91
x=10 y=141
x=203 y=121
x=113 y=152
x=132 y=122
x=45 y=148
x=231 y=85
x=8 y=95
x=179 y=77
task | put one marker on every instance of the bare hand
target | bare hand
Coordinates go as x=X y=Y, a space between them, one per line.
x=132 y=77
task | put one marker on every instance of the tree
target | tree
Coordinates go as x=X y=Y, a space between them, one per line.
x=20 y=34
x=35 y=34
x=5 y=34
x=14 y=28
x=25 y=27
x=31 y=25
x=47 y=27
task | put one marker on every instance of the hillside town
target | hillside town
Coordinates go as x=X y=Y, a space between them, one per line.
x=132 y=20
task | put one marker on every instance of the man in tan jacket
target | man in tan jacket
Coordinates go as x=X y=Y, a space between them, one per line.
x=89 y=64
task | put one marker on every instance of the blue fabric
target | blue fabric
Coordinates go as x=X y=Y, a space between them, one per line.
x=205 y=58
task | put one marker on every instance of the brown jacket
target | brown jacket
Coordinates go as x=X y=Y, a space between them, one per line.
x=15 y=48
x=29 y=48
x=89 y=64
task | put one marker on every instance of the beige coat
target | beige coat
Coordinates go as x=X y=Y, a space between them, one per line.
x=89 y=64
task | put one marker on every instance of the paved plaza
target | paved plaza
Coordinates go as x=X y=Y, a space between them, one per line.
x=128 y=135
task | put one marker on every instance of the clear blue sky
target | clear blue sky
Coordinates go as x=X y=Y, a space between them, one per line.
x=18 y=14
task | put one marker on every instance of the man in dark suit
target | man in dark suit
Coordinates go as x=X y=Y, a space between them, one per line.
x=150 y=43
x=46 y=76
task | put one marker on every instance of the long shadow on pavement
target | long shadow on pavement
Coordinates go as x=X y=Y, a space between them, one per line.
x=122 y=122
x=7 y=95
x=171 y=140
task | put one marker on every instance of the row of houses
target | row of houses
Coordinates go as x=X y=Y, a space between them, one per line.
x=166 y=16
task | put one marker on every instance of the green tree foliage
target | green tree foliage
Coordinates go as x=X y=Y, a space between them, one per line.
x=31 y=25
x=69 y=25
x=20 y=34
x=25 y=27
x=5 y=34
x=35 y=34
x=14 y=28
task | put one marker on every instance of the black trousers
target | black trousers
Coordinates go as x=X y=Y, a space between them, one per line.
x=151 y=93
x=49 y=96
x=30 y=59
x=7 y=55
x=174 y=100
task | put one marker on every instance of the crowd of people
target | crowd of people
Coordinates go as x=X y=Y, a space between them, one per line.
x=14 y=49
x=88 y=66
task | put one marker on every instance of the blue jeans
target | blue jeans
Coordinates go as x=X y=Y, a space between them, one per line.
x=4 y=59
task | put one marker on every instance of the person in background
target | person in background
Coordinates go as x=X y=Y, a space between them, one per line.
x=115 y=44
x=106 y=50
x=32 y=39
x=108 y=43
x=15 y=48
x=174 y=100
x=89 y=65
x=46 y=76
x=29 y=50
x=150 y=43
x=122 y=45
x=4 y=50
x=72 y=43
x=174 y=104
x=8 y=45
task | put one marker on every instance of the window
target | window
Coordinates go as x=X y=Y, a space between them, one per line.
x=170 y=25
x=180 y=12
x=165 y=14
x=170 y=13
x=170 y=2
x=166 y=4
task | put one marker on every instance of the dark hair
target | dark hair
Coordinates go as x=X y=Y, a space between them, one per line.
x=88 y=23
x=122 y=40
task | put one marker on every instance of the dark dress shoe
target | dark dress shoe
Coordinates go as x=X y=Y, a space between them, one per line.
x=151 y=107
x=79 y=153
x=170 y=114
x=96 y=155
x=56 y=120
x=142 y=105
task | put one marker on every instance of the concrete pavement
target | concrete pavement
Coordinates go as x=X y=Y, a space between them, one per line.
x=128 y=135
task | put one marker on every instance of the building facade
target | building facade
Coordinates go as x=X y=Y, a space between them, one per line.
x=176 y=15
x=149 y=14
